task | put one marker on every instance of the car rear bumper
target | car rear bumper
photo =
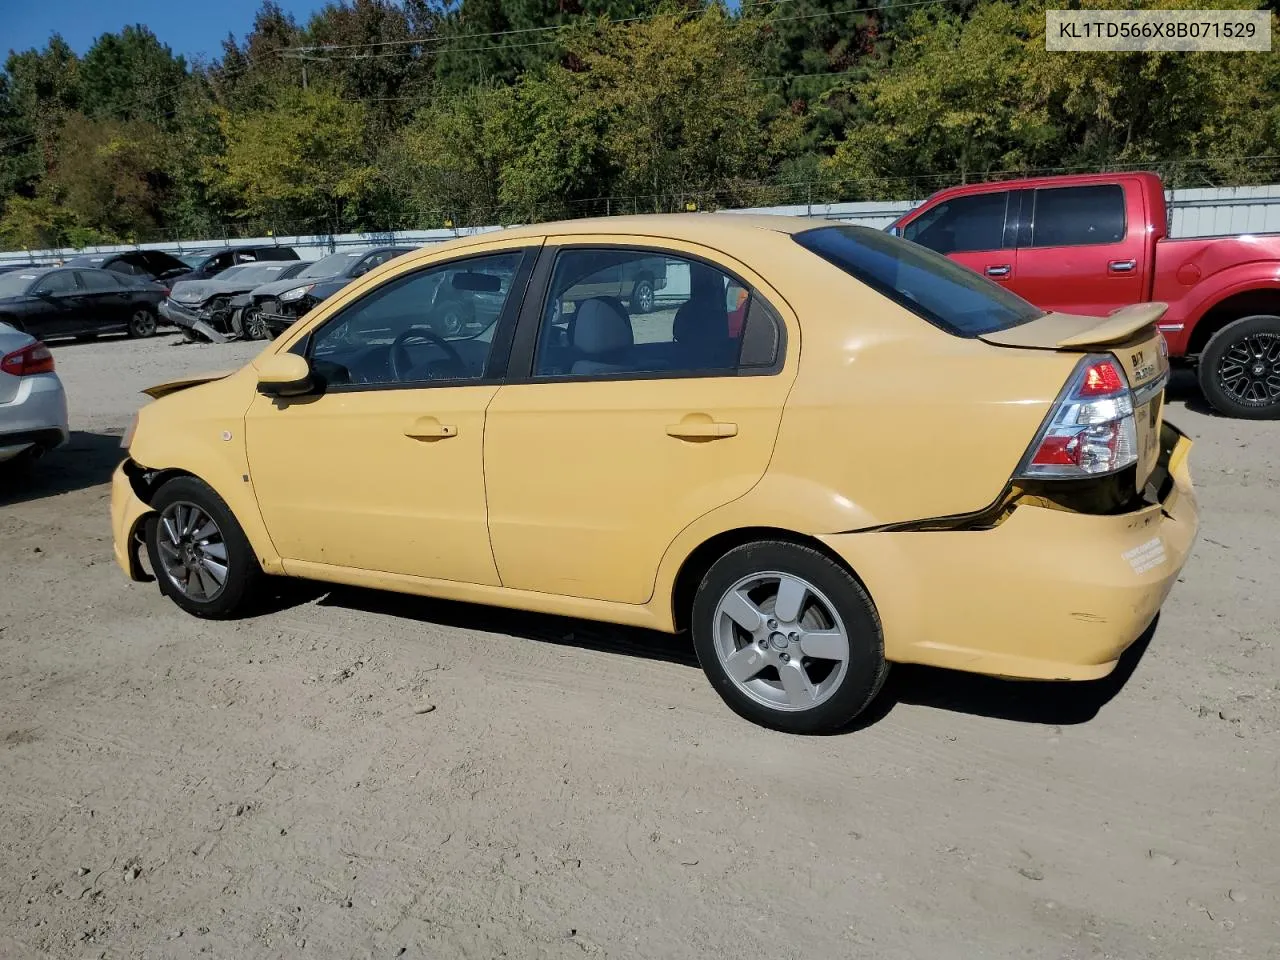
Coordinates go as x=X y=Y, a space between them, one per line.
x=1047 y=594
x=36 y=416
x=127 y=514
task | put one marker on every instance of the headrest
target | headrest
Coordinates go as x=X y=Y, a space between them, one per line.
x=600 y=327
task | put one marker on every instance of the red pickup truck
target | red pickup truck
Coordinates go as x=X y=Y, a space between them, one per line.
x=1091 y=244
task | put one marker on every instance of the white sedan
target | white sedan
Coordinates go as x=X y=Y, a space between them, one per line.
x=33 y=405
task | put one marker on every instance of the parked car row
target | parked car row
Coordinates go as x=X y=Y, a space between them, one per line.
x=257 y=301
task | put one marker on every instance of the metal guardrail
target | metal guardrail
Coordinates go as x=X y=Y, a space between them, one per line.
x=1200 y=212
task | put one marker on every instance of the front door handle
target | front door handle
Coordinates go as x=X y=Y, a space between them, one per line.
x=1001 y=270
x=702 y=430
x=429 y=428
x=1122 y=266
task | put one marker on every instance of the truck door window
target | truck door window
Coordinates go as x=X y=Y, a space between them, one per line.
x=1078 y=216
x=962 y=224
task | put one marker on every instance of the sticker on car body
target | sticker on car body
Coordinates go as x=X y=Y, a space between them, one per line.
x=1146 y=556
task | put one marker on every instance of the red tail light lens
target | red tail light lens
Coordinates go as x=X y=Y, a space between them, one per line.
x=31 y=359
x=1102 y=379
x=1090 y=430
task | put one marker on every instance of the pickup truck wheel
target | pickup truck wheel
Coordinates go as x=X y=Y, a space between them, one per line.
x=642 y=296
x=1240 y=368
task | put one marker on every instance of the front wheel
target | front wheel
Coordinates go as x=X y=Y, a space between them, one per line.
x=142 y=323
x=1239 y=369
x=255 y=324
x=201 y=558
x=788 y=638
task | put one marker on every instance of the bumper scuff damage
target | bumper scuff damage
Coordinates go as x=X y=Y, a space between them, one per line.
x=1044 y=593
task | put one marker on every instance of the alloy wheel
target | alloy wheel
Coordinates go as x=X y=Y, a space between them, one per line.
x=781 y=641
x=1249 y=370
x=192 y=551
x=142 y=323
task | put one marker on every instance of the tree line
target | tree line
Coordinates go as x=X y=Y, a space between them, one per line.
x=376 y=115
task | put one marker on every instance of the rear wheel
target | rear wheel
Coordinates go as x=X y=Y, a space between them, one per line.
x=142 y=323
x=201 y=557
x=1239 y=369
x=788 y=638
x=642 y=296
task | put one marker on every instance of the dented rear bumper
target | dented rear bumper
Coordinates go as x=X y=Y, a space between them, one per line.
x=1046 y=594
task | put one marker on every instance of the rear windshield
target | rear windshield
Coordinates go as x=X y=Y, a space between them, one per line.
x=941 y=291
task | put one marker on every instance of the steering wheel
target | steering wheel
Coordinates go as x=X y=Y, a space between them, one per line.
x=401 y=363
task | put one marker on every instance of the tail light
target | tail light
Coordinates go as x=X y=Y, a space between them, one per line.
x=1091 y=430
x=32 y=359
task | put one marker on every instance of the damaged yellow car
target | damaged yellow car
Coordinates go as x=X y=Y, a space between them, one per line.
x=819 y=448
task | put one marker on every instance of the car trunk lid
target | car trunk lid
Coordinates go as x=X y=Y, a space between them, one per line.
x=1131 y=337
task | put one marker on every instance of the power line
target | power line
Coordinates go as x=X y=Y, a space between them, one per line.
x=587 y=21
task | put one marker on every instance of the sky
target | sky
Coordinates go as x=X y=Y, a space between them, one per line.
x=190 y=27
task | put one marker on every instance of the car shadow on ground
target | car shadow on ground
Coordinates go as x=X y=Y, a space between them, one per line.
x=1184 y=388
x=1024 y=701
x=86 y=460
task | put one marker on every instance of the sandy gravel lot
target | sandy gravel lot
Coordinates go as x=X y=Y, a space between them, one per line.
x=269 y=787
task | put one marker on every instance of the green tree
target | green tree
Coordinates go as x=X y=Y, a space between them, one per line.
x=131 y=76
x=301 y=163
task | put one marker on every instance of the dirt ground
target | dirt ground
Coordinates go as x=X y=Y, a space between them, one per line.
x=275 y=787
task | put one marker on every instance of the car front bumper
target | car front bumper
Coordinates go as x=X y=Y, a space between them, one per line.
x=1047 y=594
x=35 y=417
x=198 y=321
x=127 y=514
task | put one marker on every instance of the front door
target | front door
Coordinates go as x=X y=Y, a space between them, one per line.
x=629 y=426
x=381 y=469
x=106 y=304
x=63 y=312
x=971 y=230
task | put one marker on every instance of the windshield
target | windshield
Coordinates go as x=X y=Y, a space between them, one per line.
x=194 y=260
x=86 y=261
x=332 y=265
x=15 y=284
x=939 y=290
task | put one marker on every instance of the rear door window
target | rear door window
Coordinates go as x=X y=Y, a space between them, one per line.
x=1078 y=216
x=962 y=224
x=939 y=290
x=623 y=313
x=98 y=281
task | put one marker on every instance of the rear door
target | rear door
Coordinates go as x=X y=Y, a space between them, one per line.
x=975 y=230
x=1082 y=249
x=616 y=429
x=105 y=301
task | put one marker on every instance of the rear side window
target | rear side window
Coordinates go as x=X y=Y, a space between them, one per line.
x=1078 y=216
x=939 y=290
x=624 y=313
x=962 y=224
x=99 y=281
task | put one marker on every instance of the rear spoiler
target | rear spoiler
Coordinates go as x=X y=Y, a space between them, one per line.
x=1066 y=331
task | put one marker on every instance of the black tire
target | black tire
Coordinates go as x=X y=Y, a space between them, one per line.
x=1239 y=370
x=451 y=318
x=142 y=323
x=642 y=295
x=243 y=576
x=866 y=666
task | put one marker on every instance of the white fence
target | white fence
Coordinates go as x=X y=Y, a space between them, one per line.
x=1193 y=213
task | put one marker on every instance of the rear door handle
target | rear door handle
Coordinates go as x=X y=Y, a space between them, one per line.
x=1001 y=270
x=429 y=428
x=701 y=430
x=1122 y=266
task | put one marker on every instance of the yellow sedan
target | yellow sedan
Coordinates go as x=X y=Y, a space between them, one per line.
x=819 y=448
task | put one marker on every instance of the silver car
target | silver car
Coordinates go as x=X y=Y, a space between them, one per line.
x=33 y=406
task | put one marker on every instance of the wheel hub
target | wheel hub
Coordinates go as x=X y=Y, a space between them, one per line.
x=779 y=641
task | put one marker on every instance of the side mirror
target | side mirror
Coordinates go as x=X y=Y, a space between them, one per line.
x=284 y=375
